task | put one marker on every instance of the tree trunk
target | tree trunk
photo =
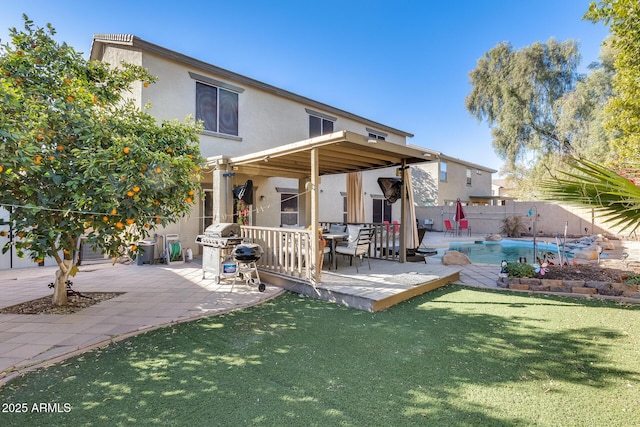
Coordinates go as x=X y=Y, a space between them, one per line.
x=60 y=288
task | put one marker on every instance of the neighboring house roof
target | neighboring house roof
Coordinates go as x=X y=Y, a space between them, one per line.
x=445 y=158
x=135 y=42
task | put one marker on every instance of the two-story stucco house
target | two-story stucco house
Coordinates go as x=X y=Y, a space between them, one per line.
x=296 y=151
x=242 y=116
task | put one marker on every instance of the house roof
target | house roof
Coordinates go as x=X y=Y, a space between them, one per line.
x=339 y=152
x=99 y=40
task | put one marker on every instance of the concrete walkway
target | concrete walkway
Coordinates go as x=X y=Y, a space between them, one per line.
x=155 y=296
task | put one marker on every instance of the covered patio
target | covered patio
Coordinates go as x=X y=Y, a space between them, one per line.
x=292 y=258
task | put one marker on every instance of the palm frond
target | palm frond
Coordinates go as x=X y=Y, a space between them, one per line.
x=588 y=184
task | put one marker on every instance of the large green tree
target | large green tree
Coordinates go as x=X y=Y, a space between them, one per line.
x=78 y=159
x=623 y=19
x=516 y=93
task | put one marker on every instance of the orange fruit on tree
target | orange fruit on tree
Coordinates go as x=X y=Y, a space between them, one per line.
x=60 y=147
x=70 y=98
x=114 y=211
x=136 y=188
x=3 y=233
x=119 y=224
x=105 y=218
x=147 y=225
x=169 y=150
x=51 y=158
x=130 y=193
x=67 y=80
x=158 y=170
x=144 y=168
x=39 y=137
x=145 y=84
x=133 y=248
x=130 y=221
x=38 y=159
x=126 y=150
x=156 y=203
x=189 y=200
x=191 y=192
x=1 y=169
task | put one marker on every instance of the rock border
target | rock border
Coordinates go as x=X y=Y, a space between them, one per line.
x=577 y=287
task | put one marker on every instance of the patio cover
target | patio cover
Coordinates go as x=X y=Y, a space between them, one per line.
x=338 y=152
x=335 y=153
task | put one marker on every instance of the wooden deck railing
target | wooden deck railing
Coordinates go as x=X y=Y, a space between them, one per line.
x=386 y=239
x=285 y=249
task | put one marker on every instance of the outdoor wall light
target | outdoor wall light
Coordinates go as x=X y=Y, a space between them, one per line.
x=262 y=197
x=372 y=141
x=266 y=159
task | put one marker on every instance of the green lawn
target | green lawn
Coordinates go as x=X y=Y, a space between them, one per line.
x=453 y=357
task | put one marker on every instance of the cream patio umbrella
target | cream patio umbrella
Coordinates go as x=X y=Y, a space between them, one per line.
x=411 y=228
x=355 y=198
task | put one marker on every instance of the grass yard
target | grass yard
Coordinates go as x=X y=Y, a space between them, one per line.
x=453 y=357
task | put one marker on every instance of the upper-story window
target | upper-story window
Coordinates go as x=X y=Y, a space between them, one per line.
x=443 y=171
x=319 y=123
x=375 y=134
x=217 y=108
x=468 y=177
x=217 y=104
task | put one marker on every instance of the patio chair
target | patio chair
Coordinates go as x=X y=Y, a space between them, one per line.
x=448 y=228
x=358 y=248
x=464 y=225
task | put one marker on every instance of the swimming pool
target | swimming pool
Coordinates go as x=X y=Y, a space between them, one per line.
x=482 y=252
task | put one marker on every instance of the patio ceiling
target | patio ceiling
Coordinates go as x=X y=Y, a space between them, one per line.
x=339 y=152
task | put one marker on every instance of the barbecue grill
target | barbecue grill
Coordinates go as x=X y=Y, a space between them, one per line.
x=225 y=255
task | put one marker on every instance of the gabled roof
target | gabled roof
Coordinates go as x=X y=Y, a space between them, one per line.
x=100 y=40
x=339 y=152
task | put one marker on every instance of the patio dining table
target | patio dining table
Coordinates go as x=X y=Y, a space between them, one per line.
x=333 y=239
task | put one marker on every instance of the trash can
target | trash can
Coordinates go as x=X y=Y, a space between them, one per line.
x=145 y=256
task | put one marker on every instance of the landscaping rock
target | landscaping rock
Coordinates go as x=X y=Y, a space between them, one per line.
x=493 y=238
x=597 y=284
x=610 y=292
x=584 y=291
x=529 y=281
x=455 y=258
x=539 y=288
x=519 y=286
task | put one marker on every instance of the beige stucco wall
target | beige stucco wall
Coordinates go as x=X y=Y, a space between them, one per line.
x=551 y=218
x=264 y=120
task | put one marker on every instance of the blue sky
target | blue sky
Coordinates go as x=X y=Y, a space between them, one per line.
x=402 y=63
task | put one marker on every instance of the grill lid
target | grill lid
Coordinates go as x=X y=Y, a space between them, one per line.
x=247 y=252
x=223 y=229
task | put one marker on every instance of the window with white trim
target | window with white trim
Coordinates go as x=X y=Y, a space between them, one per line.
x=443 y=171
x=374 y=134
x=320 y=123
x=288 y=209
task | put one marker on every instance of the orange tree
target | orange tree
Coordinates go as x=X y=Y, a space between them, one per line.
x=78 y=159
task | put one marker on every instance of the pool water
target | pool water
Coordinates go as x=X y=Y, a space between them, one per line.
x=511 y=250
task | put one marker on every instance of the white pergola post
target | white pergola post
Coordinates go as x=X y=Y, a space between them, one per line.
x=315 y=216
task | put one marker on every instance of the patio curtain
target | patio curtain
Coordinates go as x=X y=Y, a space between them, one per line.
x=411 y=225
x=355 y=198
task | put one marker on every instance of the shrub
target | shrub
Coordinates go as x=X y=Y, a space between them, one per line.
x=633 y=279
x=512 y=226
x=518 y=269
